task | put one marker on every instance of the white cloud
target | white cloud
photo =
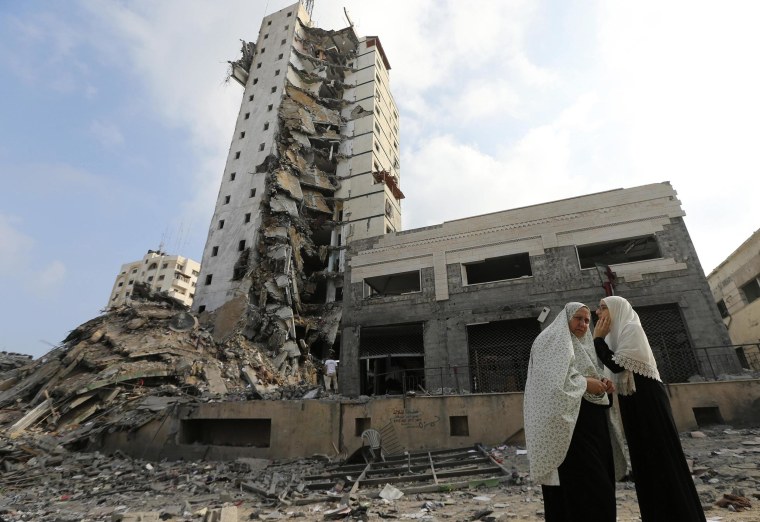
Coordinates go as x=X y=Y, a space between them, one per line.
x=681 y=92
x=107 y=133
x=446 y=179
x=60 y=66
x=55 y=179
x=483 y=99
x=15 y=246
x=181 y=62
x=49 y=278
x=17 y=259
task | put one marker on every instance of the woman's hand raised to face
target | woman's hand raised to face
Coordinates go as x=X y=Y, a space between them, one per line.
x=602 y=327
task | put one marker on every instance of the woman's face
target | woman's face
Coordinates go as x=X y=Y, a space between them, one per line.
x=602 y=311
x=579 y=322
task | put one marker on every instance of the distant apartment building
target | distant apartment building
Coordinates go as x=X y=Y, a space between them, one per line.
x=458 y=305
x=175 y=275
x=735 y=286
x=313 y=164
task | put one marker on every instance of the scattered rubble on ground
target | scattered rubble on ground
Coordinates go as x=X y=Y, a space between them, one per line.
x=43 y=481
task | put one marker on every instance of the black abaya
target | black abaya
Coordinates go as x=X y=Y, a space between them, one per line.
x=664 y=486
x=587 y=475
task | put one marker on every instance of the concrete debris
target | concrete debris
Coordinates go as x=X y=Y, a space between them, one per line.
x=11 y=361
x=239 y=68
x=44 y=481
x=734 y=502
x=136 y=363
x=391 y=493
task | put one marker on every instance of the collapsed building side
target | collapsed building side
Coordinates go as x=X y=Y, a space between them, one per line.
x=313 y=163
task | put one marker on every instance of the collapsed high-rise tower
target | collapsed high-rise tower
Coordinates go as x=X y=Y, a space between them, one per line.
x=313 y=164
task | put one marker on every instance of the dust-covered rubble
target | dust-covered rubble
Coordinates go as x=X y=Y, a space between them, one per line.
x=130 y=365
x=42 y=481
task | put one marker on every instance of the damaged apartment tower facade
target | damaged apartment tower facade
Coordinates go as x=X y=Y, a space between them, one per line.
x=313 y=164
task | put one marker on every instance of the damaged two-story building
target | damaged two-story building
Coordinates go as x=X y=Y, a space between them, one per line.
x=456 y=307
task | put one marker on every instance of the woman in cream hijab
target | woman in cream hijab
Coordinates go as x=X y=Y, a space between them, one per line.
x=567 y=427
x=664 y=485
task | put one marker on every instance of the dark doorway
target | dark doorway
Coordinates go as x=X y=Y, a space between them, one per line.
x=670 y=341
x=392 y=359
x=499 y=354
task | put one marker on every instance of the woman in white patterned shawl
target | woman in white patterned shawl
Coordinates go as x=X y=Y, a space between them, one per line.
x=567 y=422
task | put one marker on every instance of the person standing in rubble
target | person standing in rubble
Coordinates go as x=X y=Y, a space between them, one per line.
x=664 y=486
x=567 y=422
x=331 y=372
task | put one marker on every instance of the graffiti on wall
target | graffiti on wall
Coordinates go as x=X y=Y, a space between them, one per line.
x=412 y=419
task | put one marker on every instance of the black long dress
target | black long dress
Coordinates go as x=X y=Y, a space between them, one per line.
x=587 y=475
x=664 y=486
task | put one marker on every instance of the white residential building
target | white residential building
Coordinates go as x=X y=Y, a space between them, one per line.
x=175 y=275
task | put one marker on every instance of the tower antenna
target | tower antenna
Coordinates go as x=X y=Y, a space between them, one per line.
x=348 y=18
x=161 y=243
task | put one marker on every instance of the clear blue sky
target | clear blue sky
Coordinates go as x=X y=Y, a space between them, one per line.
x=115 y=122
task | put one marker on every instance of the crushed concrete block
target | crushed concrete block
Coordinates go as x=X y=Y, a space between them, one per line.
x=275 y=291
x=137 y=322
x=316 y=201
x=225 y=514
x=280 y=203
x=289 y=183
x=96 y=336
x=316 y=179
x=214 y=378
x=147 y=516
x=229 y=317
x=279 y=252
x=291 y=348
x=249 y=375
x=295 y=117
x=282 y=281
x=276 y=232
x=301 y=138
x=284 y=312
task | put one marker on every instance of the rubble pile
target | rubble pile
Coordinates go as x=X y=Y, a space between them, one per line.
x=43 y=481
x=11 y=360
x=125 y=368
